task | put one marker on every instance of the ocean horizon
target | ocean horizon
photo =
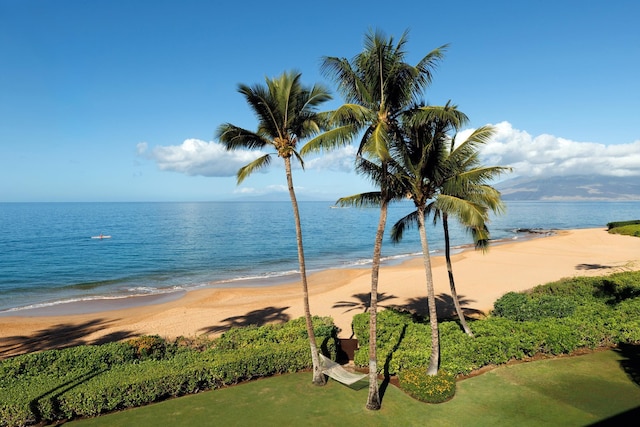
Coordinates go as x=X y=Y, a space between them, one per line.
x=51 y=254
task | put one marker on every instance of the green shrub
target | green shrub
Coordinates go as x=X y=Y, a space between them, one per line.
x=247 y=336
x=615 y=224
x=627 y=228
x=151 y=347
x=524 y=307
x=427 y=388
x=90 y=380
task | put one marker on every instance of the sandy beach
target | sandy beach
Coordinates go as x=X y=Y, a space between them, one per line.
x=481 y=278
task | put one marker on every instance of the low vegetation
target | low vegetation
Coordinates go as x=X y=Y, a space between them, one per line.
x=90 y=380
x=563 y=317
x=627 y=228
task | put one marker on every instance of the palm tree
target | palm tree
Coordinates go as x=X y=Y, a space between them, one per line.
x=466 y=194
x=286 y=113
x=419 y=165
x=378 y=86
x=446 y=181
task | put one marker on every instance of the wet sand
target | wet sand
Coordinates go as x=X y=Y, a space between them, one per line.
x=481 y=278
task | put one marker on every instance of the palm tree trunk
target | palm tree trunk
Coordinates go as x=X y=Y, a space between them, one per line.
x=452 y=284
x=318 y=376
x=434 y=359
x=373 y=399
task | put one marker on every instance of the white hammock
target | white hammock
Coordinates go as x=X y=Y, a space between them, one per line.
x=337 y=372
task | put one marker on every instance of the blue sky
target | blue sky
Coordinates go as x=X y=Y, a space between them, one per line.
x=119 y=100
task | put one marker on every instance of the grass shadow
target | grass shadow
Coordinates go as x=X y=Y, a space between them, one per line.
x=630 y=362
x=255 y=317
x=59 y=336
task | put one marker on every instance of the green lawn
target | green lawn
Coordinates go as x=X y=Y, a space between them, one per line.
x=569 y=391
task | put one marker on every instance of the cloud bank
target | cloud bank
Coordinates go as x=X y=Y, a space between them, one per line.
x=197 y=157
x=549 y=155
x=211 y=159
x=542 y=155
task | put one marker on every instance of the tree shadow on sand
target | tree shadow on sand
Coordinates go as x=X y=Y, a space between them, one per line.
x=60 y=336
x=593 y=267
x=255 y=317
x=444 y=306
x=362 y=302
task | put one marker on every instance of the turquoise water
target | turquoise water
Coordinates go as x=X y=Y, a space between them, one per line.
x=47 y=255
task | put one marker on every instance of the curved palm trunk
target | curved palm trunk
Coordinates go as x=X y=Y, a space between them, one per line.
x=452 y=284
x=434 y=359
x=318 y=376
x=373 y=399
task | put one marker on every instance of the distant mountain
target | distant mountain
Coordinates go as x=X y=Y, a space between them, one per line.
x=571 y=188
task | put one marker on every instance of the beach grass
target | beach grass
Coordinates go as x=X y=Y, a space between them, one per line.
x=627 y=228
x=567 y=391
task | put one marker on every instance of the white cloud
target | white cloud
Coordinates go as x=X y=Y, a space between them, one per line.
x=529 y=155
x=264 y=190
x=338 y=160
x=551 y=155
x=197 y=157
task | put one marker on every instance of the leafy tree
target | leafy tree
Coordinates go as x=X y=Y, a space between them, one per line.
x=287 y=113
x=378 y=86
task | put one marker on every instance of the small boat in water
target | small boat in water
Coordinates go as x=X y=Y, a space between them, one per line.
x=102 y=236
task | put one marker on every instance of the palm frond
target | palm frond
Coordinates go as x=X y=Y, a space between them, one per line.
x=329 y=140
x=234 y=137
x=404 y=223
x=257 y=164
x=363 y=200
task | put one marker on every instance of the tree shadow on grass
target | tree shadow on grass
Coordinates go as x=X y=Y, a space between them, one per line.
x=630 y=362
x=59 y=336
x=255 y=317
x=444 y=306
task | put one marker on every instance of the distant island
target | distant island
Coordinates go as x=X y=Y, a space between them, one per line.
x=572 y=188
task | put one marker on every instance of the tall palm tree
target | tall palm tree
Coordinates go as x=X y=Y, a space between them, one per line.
x=418 y=163
x=286 y=113
x=466 y=194
x=378 y=86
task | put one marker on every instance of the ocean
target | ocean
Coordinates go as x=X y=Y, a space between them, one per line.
x=48 y=257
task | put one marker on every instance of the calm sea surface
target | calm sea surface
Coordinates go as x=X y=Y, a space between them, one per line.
x=47 y=255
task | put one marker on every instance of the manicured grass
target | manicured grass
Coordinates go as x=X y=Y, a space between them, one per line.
x=568 y=391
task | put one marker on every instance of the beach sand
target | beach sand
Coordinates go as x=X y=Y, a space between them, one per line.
x=481 y=278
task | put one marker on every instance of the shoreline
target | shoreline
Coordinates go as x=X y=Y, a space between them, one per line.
x=103 y=303
x=340 y=293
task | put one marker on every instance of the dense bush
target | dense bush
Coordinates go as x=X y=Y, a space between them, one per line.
x=615 y=224
x=523 y=307
x=557 y=318
x=89 y=380
x=391 y=331
x=427 y=388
